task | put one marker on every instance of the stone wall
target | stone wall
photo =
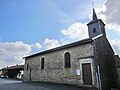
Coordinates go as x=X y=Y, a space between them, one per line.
x=117 y=60
x=104 y=57
x=118 y=70
x=54 y=70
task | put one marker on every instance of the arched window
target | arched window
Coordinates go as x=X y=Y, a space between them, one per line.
x=94 y=30
x=42 y=63
x=27 y=66
x=67 y=60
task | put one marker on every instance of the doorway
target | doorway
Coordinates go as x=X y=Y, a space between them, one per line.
x=87 y=74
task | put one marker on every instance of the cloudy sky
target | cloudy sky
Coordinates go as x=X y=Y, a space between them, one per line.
x=30 y=26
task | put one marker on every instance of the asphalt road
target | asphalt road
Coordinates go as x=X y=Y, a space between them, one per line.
x=10 y=84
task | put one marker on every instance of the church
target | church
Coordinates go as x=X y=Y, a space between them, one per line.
x=88 y=62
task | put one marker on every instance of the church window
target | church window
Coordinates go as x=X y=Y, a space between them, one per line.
x=94 y=30
x=42 y=63
x=27 y=66
x=67 y=60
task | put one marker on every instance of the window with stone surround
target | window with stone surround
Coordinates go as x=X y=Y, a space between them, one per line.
x=67 y=60
x=42 y=63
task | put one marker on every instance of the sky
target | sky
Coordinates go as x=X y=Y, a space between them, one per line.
x=30 y=26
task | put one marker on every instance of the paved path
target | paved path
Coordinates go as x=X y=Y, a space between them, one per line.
x=9 y=84
x=5 y=81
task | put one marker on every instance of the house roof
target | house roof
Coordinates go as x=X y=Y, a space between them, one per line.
x=3 y=69
x=62 y=47
x=16 y=67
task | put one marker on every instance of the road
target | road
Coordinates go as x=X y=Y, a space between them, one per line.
x=10 y=84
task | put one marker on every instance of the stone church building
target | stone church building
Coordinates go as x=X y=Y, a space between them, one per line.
x=88 y=62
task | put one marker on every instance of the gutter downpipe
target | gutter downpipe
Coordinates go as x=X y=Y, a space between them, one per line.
x=99 y=77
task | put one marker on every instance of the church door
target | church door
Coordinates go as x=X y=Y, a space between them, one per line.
x=87 y=74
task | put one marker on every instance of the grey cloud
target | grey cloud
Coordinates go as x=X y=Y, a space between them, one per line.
x=13 y=52
x=112 y=12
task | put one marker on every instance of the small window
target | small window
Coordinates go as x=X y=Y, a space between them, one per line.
x=67 y=60
x=42 y=63
x=94 y=30
x=27 y=66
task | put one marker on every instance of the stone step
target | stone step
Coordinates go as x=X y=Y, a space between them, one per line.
x=89 y=87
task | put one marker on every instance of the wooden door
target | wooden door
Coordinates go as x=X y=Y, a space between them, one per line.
x=87 y=75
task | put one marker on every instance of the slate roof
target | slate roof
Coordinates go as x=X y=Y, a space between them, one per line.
x=62 y=47
x=93 y=21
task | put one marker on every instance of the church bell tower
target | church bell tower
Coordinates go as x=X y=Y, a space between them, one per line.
x=96 y=26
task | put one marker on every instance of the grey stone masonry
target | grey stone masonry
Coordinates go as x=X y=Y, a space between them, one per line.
x=54 y=70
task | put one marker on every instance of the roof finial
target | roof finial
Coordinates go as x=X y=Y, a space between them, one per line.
x=94 y=14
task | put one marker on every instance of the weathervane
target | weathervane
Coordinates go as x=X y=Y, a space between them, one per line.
x=93 y=4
